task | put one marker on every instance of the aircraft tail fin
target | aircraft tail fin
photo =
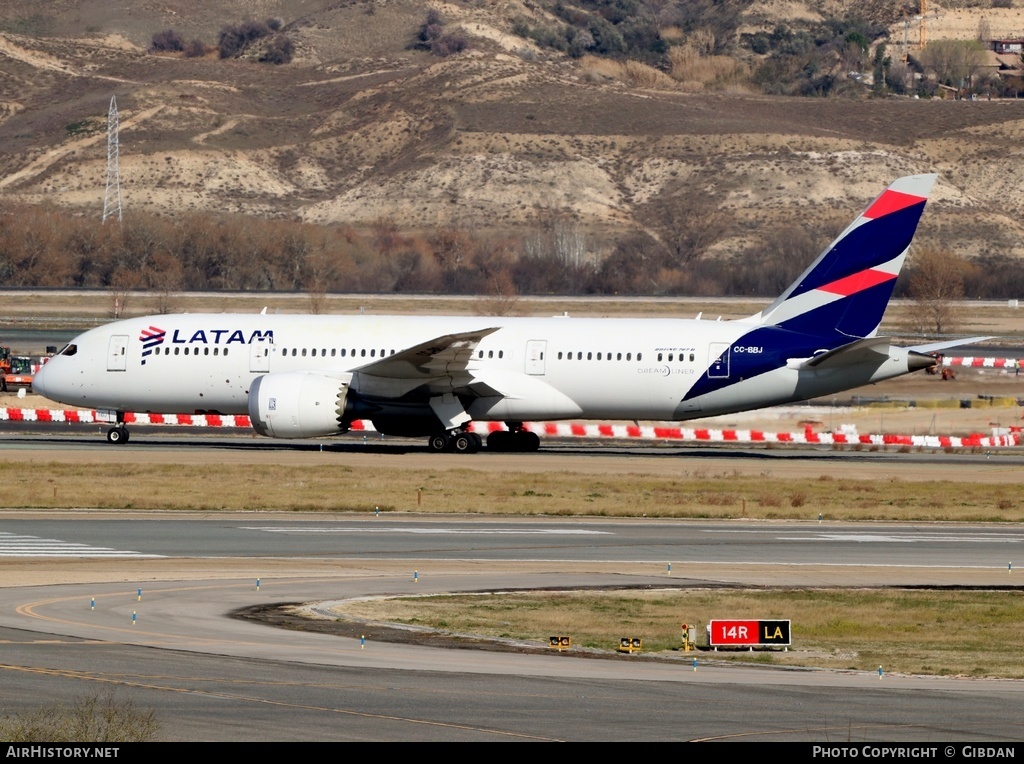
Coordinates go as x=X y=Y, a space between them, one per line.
x=843 y=294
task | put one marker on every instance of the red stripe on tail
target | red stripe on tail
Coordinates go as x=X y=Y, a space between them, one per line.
x=892 y=201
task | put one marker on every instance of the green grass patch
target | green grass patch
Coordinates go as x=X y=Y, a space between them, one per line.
x=951 y=633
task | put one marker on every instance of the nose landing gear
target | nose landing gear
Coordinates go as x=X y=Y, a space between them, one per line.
x=118 y=435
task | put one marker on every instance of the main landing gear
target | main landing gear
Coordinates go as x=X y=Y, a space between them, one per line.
x=459 y=441
x=516 y=439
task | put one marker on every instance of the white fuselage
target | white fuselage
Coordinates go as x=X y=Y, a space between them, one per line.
x=525 y=369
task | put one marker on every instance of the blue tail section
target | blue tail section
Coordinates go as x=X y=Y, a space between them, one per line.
x=843 y=294
x=838 y=302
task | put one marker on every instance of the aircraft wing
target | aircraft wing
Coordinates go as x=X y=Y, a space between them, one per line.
x=440 y=363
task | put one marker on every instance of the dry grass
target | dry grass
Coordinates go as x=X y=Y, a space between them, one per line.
x=688 y=65
x=92 y=719
x=969 y=633
x=291 y=488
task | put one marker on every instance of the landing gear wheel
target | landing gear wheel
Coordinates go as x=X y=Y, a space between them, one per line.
x=466 y=443
x=117 y=435
x=499 y=440
x=438 y=443
x=520 y=441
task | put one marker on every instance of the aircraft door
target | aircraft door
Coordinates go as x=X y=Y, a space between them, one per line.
x=535 y=350
x=259 y=355
x=718 y=352
x=117 y=353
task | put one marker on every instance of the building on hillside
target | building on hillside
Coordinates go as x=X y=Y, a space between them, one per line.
x=1003 y=47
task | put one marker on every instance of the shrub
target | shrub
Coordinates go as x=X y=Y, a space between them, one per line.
x=448 y=45
x=233 y=40
x=92 y=720
x=167 y=41
x=279 y=51
x=195 y=49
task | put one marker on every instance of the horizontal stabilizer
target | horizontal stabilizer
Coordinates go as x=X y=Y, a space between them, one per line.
x=861 y=351
x=935 y=347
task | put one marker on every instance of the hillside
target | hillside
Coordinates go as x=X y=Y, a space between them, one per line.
x=360 y=127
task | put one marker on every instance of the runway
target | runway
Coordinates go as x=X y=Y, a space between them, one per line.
x=153 y=625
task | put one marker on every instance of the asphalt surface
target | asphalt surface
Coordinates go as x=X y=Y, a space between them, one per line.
x=141 y=606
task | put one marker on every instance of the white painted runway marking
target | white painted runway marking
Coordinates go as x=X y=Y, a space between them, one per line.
x=14 y=545
x=892 y=538
x=434 y=531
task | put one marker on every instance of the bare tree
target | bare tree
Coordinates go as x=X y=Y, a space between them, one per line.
x=954 y=62
x=984 y=30
x=687 y=224
x=502 y=296
x=936 y=285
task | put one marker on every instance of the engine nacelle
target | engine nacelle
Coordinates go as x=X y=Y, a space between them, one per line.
x=298 y=404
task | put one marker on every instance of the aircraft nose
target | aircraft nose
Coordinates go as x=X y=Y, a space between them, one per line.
x=39 y=380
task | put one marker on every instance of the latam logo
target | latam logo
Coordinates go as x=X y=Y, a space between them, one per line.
x=151 y=338
x=220 y=337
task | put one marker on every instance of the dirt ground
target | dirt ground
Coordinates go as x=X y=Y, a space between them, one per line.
x=360 y=128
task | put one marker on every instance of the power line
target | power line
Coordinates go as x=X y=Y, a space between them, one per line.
x=112 y=197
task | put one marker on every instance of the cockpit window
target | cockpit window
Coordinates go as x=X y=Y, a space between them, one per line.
x=69 y=349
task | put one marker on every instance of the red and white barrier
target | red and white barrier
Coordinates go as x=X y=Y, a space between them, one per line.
x=569 y=430
x=978 y=362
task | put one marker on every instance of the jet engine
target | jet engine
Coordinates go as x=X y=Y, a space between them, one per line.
x=299 y=404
